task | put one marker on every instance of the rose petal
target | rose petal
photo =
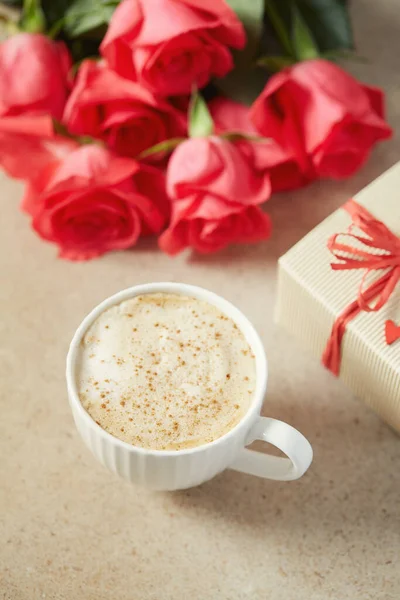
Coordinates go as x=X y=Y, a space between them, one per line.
x=249 y=226
x=28 y=144
x=170 y=44
x=305 y=107
x=223 y=172
x=107 y=106
x=34 y=75
x=91 y=202
x=268 y=156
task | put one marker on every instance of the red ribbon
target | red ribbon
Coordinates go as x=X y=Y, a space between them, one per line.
x=370 y=297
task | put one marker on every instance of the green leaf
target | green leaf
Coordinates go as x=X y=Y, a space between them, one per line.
x=165 y=146
x=55 y=29
x=303 y=42
x=329 y=22
x=275 y=63
x=236 y=136
x=83 y=16
x=280 y=22
x=33 y=19
x=61 y=130
x=245 y=81
x=250 y=12
x=200 y=120
x=54 y=10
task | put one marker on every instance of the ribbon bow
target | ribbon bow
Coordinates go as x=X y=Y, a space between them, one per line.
x=370 y=297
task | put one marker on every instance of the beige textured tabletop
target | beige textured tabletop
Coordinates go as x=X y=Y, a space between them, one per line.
x=70 y=530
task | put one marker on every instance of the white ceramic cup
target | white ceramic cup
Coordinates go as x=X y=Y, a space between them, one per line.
x=180 y=469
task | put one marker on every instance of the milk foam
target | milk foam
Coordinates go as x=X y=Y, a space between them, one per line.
x=165 y=371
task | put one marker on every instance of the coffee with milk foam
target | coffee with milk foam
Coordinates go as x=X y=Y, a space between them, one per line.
x=165 y=372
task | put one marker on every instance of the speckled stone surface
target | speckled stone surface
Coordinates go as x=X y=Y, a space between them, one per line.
x=70 y=530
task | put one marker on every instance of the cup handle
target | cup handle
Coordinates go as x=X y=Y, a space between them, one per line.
x=285 y=437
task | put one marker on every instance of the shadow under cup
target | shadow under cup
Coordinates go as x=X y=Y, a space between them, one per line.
x=180 y=469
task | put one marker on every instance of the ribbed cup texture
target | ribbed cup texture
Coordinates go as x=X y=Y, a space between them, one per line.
x=155 y=470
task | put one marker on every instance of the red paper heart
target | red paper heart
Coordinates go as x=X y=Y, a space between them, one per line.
x=392 y=332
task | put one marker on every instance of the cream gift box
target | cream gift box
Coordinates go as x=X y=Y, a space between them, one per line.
x=312 y=294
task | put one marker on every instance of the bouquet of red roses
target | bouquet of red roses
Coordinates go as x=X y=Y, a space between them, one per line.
x=176 y=118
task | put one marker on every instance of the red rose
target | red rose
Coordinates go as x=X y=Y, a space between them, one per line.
x=34 y=85
x=326 y=118
x=34 y=76
x=93 y=201
x=171 y=45
x=284 y=172
x=215 y=192
x=123 y=113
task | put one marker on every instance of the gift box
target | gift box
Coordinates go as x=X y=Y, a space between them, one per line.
x=339 y=293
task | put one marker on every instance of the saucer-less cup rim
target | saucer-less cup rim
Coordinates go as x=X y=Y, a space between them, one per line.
x=225 y=306
x=179 y=469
